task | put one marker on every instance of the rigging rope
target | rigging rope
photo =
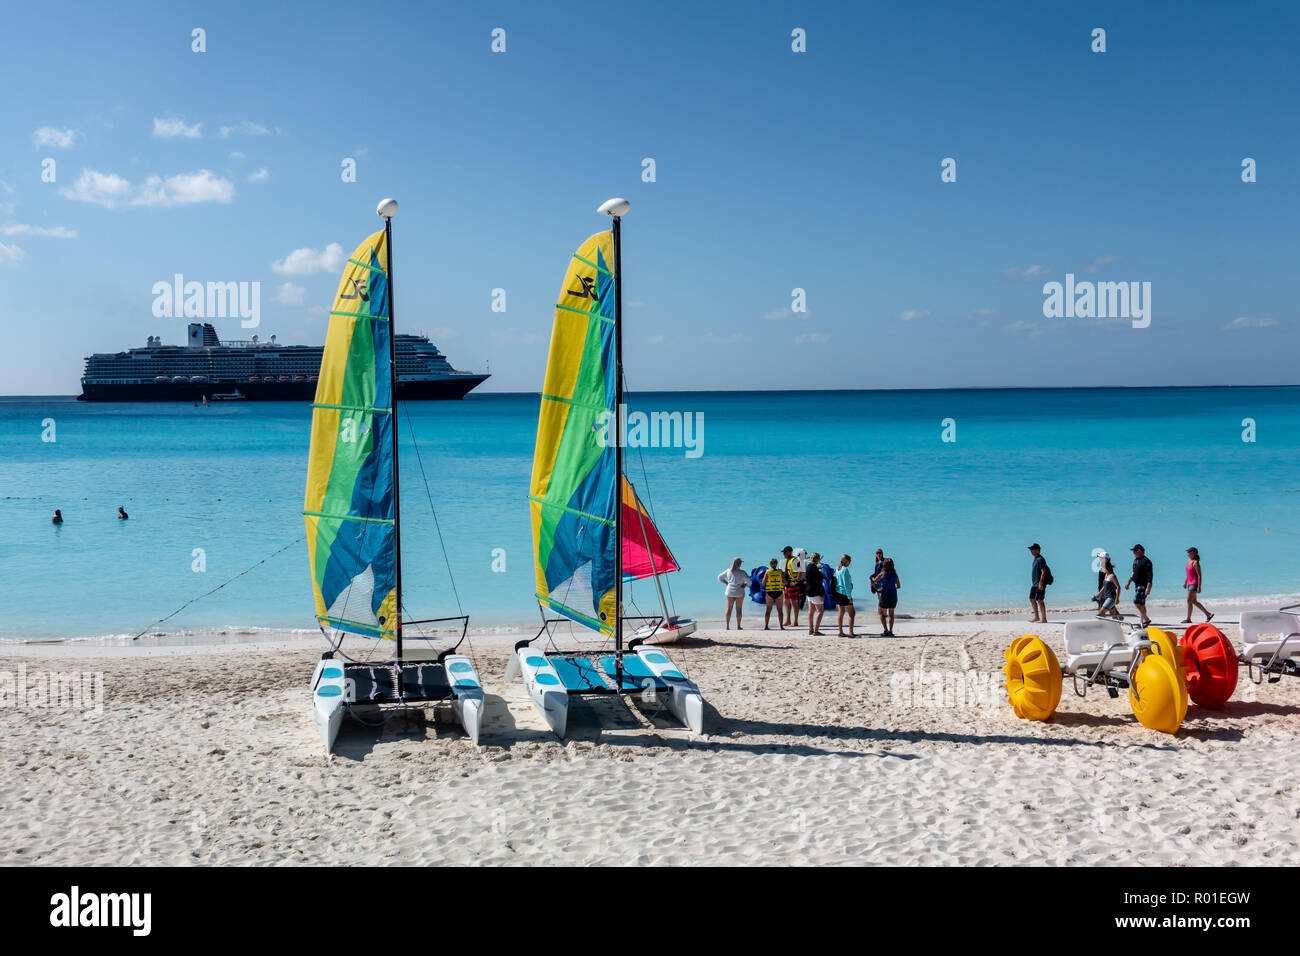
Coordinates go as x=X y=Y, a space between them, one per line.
x=429 y=494
x=451 y=577
x=218 y=587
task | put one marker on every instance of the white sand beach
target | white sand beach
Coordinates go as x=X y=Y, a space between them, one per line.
x=819 y=750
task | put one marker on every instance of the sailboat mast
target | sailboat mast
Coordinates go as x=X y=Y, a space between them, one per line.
x=397 y=498
x=618 y=452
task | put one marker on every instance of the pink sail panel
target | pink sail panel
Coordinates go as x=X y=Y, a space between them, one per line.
x=644 y=551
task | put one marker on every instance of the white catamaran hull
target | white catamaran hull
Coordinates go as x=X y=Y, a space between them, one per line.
x=332 y=692
x=469 y=693
x=544 y=687
x=684 y=697
x=549 y=695
x=329 y=698
x=669 y=632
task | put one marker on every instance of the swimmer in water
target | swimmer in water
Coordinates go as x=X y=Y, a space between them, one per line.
x=58 y=517
x=121 y=513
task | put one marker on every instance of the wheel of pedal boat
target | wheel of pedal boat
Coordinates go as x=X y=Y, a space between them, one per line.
x=1033 y=678
x=1160 y=701
x=1211 y=665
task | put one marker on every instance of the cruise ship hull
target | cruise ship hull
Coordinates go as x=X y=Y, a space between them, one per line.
x=302 y=391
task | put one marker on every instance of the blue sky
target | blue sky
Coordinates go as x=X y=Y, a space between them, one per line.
x=774 y=171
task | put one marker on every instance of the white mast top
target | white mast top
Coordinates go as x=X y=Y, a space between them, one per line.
x=387 y=209
x=614 y=208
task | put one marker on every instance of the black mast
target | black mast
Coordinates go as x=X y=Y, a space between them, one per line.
x=618 y=455
x=397 y=518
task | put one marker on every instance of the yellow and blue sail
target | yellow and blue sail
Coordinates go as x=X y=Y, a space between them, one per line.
x=574 y=490
x=349 y=506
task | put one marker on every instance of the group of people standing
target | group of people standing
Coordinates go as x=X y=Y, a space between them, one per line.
x=788 y=583
x=1142 y=579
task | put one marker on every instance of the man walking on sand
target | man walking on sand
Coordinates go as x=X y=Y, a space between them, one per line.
x=1142 y=578
x=1038 y=586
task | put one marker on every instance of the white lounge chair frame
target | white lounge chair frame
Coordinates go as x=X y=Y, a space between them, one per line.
x=1271 y=657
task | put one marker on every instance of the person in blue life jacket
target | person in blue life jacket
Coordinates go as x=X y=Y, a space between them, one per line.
x=875 y=571
x=887 y=585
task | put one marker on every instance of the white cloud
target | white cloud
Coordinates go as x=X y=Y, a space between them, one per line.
x=104 y=189
x=185 y=189
x=318 y=310
x=55 y=138
x=174 y=127
x=1096 y=264
x=50 y=232
x=654 y=340
x=289 y=294
x=786 y=313
x=1242 y=322
x=303 y=262
x=238 y=155
x=10 y=255
x=909 y=315
x=259 y=175
x=112 y=191
x=1027 y=274
x=442 y=332
x=813 y=338
x=244 y=128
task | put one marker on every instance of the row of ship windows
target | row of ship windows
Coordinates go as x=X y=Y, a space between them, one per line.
x=233 y=368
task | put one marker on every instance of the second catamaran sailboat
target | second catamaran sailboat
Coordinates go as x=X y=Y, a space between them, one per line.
x=353 y=511
x=590 y=531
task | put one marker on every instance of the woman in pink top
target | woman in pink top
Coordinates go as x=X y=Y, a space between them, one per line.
x=1193 y=584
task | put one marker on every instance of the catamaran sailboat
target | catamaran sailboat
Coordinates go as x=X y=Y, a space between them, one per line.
x=353 y=513
x=590 y=530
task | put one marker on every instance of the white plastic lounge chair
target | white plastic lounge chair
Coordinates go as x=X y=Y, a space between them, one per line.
x=1270 y=640
x=1088 y=643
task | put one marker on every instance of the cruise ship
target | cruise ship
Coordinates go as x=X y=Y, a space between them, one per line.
x=207 y=368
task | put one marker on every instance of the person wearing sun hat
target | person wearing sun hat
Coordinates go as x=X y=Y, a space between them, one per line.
x=1101 y=557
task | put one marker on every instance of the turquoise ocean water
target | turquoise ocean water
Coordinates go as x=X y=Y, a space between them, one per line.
x=828 y=471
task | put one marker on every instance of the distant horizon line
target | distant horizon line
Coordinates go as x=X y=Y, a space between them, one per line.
x=762 y=391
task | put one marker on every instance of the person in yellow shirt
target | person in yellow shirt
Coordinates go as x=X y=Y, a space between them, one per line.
x=773 y=585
